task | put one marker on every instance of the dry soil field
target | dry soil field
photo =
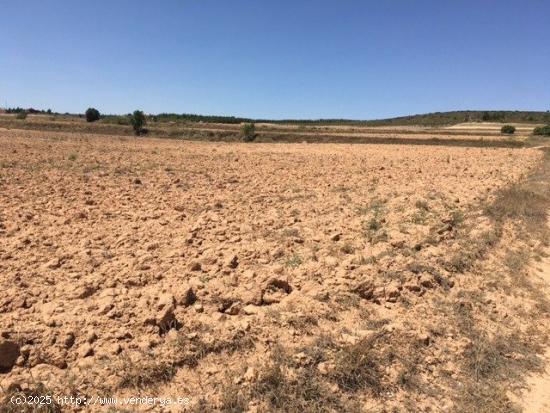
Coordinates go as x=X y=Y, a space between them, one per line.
x=269 y=277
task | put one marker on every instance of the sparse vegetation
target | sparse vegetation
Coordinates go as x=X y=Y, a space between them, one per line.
x=542 y=130
x=286 y=387
x=35 y=391
x=516 y=260
x=359 y=366
x=138 y=121
x=421 y=204
x=21 y=115
x=508 y=129
x=145 y=373
x=294 y=261
x=520 y=203
x=248 y=132
x=372 y=310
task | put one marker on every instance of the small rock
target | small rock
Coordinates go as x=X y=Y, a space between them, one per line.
x=412 y=286
x=336 y=236
x=186 y=296
x=86 y=350
x=58 y=359
x=115 y=349
x=251 y=295
x=250 y=374
x=195 y=266
x=393 y=292
x=365 y=290
x=301 y=358
x=165 y=300
x=331 y=261
x=104 y=304
x=232 y=262
x=426 y=281
x=54 y=264
x=323 y=368
x=165 y=318
x=424 y=338
x=92 y=336
x=219 y=316
x=211 y=370
x=69 y=340
x=275 y=290
x=397 y=239
x=84 y=291
x=250 y=310
x=234 y=309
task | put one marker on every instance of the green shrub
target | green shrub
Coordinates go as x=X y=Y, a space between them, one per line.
x=137 y=119
x=21 y=115
x=248 y=132
x=542 y=130
x=508 y=129
x=92 y=114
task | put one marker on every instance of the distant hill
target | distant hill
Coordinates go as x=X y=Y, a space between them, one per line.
x=451 y=118
x=428 y=119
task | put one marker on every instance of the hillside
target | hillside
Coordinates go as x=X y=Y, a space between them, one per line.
x=427 y=119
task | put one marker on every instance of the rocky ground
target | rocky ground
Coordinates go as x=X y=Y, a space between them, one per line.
x=260 y=277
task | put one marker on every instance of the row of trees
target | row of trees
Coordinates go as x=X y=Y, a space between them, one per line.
x=539 y=130
x=29 y=110
x=248 y=132
x=136 y=119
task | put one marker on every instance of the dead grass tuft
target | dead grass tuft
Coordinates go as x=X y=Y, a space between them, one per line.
x=287 y=388
x=522 y=204
x=359 y=366
x=145 y=373
x=516 y=260
x=189 y=352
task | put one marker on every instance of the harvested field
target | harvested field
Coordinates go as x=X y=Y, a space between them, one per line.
x=265 y=277
x=466 y=134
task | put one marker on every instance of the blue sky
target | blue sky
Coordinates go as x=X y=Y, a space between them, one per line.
x=276 y=59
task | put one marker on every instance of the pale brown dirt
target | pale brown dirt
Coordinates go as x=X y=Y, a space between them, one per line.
x=116 y=253
x=536 y=399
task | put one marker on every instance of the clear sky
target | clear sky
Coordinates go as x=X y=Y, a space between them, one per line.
x=276 y=59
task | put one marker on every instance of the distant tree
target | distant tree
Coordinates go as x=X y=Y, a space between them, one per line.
x=248 y=132
x=508 y=129
x=542 y=130
x=137 y=119
x=49 y=111
x=92 y=114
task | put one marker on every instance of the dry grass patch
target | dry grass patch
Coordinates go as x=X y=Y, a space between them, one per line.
x=35 y=391
x=359 y=366
x=145 y=373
